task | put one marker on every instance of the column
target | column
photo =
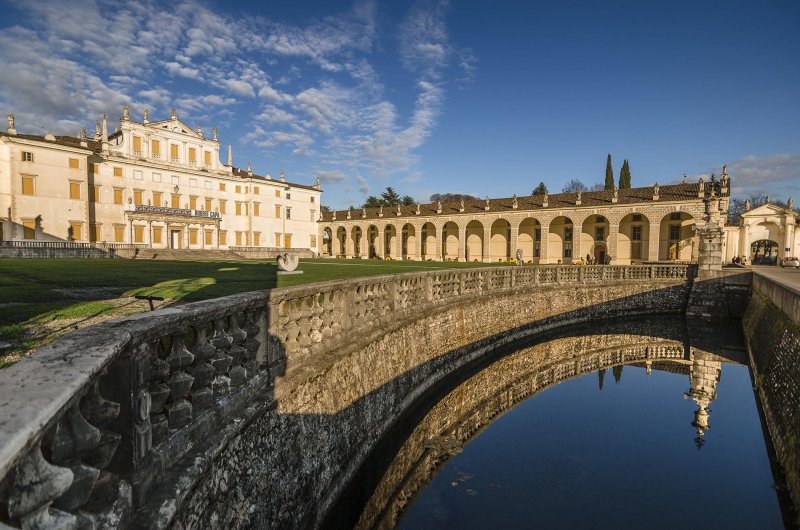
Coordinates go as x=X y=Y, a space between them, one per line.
x=348 y=243
x=418 y=232
x=379 y=244
x=148 y=238
x=544 y=243
x=613 y=236
x=462 y=244
x=487 y=244
x=653 y=246
x=513 y=241
x=186 y=235
x=437 y=252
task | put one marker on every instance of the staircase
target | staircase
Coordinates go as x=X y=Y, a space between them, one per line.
x=174 y=254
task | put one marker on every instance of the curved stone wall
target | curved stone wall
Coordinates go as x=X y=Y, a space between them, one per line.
x=257 y=409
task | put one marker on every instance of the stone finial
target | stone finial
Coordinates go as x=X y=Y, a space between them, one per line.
x=363 y=213
x=249 y=169
x=747 y=205
x=126 y=115
x=214 y=134
x=790 y=204
x=438 y=206
x=399 y=213
x=283 y=176
x=578 y=198
x=50 y=136
x=317 y=184
x=200 y=130
x=656 y=189
x=487 y=204
x=350 y=212
x=461 y=209
x=544 y=199
x=615 y=197
x=146 y=116
x=97 y=135
x=701 y=188
x=84 y=143
x=418 y=210
x=333 y=217
x=766 y=200
x=104 y=134
x=230 y=156
x=173 y=114
x=514 y=203
x=11 y=128
x=724 y=171
x=380 y=211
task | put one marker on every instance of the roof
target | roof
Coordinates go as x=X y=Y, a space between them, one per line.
x=667 y=193
x=69 y=141
x=239 y=172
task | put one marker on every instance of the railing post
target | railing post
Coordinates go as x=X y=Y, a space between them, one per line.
x=513 y=277
x=429 y=287
x=582 y=274
x=652 y=272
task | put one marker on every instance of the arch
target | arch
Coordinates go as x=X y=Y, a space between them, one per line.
x=594 y=238
x=327 y=241
x=372 y=241
x=390 y=242
x=409 y=242
x=429 y=241
x=473 y=248
x=560 y=240
x=450 y=242
x=356 y=238
x=676 y=237
x=529 y=240
x=341 y=240
x=633 y=239
x=500 y=240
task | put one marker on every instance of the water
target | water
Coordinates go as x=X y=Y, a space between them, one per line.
x=666 y=435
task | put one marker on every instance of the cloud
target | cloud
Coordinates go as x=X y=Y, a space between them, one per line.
x=363 y=186
x=424 y=40
x=237 y=86
x=468 y=63
x=770 y=173
x=183 y=71
x=331 y=177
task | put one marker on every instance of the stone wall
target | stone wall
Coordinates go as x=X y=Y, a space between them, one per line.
x=64 y=250
x=255 y=410
x=773 y=337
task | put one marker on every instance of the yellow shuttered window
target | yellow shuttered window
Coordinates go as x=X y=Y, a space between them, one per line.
x=207 y=158
x=137 y=145
x=117 y=195
x=138 y=234
x=176 y=201
x=208 y=236
x=155 y=147
x=223 y=237
x=75 y=231
x=173 y=152
x=157 y=231
x=119 y=234
x=256 y=209
x=75 y=190
x=193 y=202
x=29 y=229
x=192 y=155
x=157 y=198
x=137 y=197
x=27 y=185
x=74 y=163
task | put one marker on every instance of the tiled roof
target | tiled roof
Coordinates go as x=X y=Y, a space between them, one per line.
x=239 y=172
x=667 y=193
x=69 y=141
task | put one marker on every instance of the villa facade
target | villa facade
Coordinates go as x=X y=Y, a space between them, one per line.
x=160 y=184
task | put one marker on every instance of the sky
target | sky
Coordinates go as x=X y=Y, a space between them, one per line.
x=459 y=96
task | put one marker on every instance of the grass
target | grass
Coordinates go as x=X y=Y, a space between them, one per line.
x=41 y=299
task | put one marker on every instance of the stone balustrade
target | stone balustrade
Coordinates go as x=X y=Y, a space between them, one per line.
x=101 y=426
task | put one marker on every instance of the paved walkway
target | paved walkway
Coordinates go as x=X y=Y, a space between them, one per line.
x=788 y=277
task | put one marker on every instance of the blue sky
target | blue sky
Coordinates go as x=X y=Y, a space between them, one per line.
x=460 y=96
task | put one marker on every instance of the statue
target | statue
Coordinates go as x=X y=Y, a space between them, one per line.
x=519 y=257
x=766 y=201
x=790 y=204
x=438 y=206
x=418 y=210
x=214 y=134
x=398 y=210
x=580 y=193
x=363 y=213
x=317 y=184
x=288 y=262
x=544 y=200
x=616 y=192
x=350 y=212
x=200 y=130
x=487 y=202
x=747 y=205
x=249 y=168
x=83 y=135
x=514 y=203
x=656 y=188
x=11 y=121
x=146 y=116
x=380 y=211
x=125 y=114
x=462 y=205
x=333 y=217
x=283 y=176
x=173 y=114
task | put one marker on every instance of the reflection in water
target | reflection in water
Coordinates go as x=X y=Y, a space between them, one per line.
x=576 y=452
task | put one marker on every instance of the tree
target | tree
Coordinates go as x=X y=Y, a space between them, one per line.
x=541 y=189
x=617 y=371
x=390 y=197
x=756 y=198
x=601 y=375
x=372 y=202
x=625 y=175
x=574 y=186
x=598 y=186
x=407 y=200
x=325 y=209
x=451 y=197
x=609 y=185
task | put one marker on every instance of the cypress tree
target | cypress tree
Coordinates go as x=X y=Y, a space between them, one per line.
x=609 y=174
x=625 y=175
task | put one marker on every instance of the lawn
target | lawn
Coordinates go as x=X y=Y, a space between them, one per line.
x=41 y=299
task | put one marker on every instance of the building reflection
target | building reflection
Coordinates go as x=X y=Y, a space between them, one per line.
x=470 y=406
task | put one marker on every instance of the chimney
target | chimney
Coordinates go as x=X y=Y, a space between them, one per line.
x=11 y=128
x=104 y=134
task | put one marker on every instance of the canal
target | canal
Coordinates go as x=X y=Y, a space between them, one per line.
x=647 y=423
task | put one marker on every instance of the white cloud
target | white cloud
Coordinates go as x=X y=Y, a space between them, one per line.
x=331 y=177
x=778 y=173
x=237 y=86
x=363 y=186
x=183 y=71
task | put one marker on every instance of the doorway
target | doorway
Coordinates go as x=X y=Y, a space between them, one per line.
x=175 y=239
x=599 y=255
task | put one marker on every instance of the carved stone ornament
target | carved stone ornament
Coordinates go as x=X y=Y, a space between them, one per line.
x=126 y=113
x=288 y=262
x=514 y=203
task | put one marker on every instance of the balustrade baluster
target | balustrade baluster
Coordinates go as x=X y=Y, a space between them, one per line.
x=221 y=361
x=202 y=370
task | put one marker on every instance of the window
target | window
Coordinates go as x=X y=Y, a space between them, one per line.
x=208 y=236
x=207 y=158
x=223 y=237
x=256 y=239
x=601 y=219
x=193 y=183
x=119 y=234
x=238 y=239
x=138 y=234
x=192 y=156
x=173 y=153
x=255 y=190
x=277 y=193
x=157 y=231
x=675 y=216
x=137 y=197
x=312 y=199
x=288 y=196
x=28 y=229
x=193 y=236
x=117 y=171
x=193 y=202
x=156 y=149
x=221 y=186
x=287 y=240
x=176 y=180
x=176 y=201
x=238 y=189
x=137 y=145
x=74 y=163
x=256 y=209
x=96 y=232
x=288 y=213
x=247 y=239
x=313 y=215
x=222 y=206
x=238 y=208
x=277 y=239
x=95 y=191
x=568 y=242
x=95 y=168
x=27 y=186
x=313 y=241
x=27 y=156
x=568 y=233
x=537 y=234
x=636 y=233
x=118 y=195
x=137 y=175
x=208 y=205
x=156 y=177
x=75 y=231
x=674 y=232
x=157 y=198
x=277 y=211
x=599 y=233
x=75 y=190
x=636 y=218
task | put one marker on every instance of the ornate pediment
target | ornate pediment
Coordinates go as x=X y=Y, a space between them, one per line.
x=765 y=210
x=173 y=125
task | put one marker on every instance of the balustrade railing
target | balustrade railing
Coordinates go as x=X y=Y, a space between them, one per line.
x=94 y=420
